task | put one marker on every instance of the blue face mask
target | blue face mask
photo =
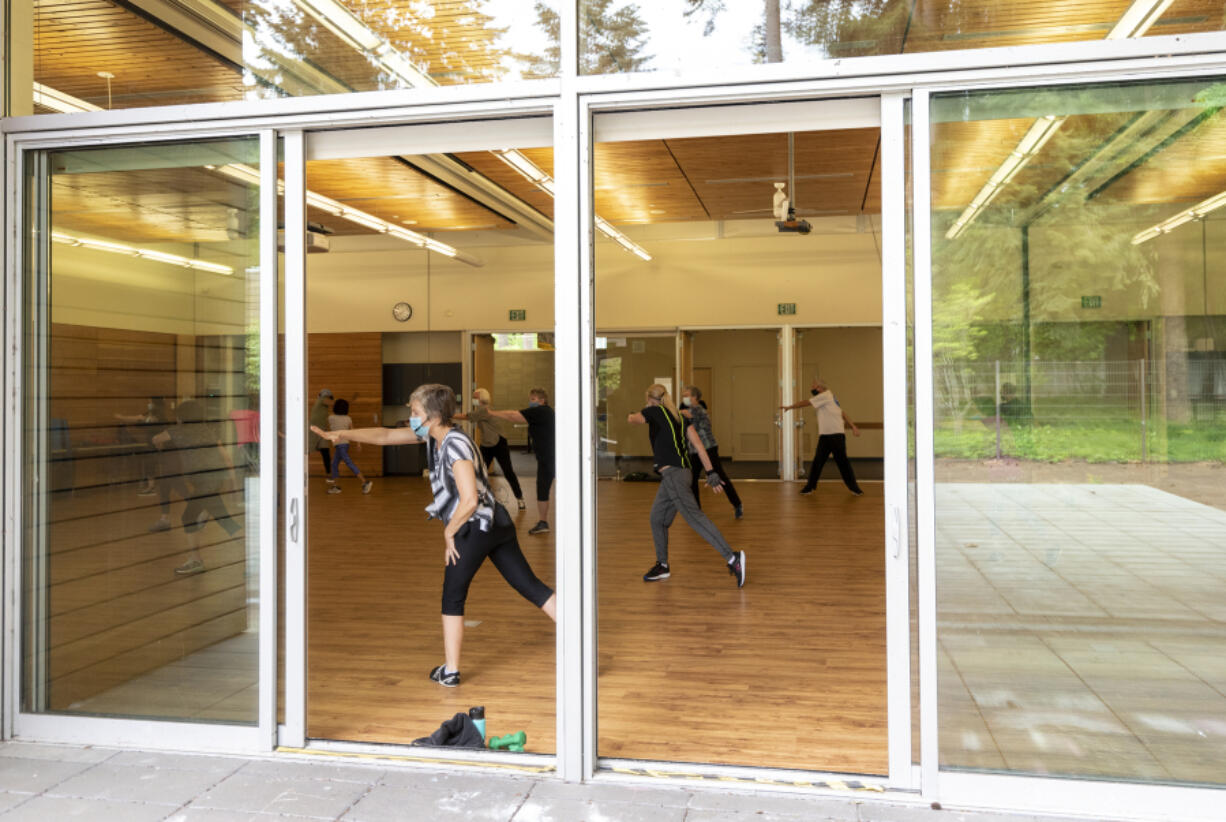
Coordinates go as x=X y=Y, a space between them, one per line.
x=533 y=404
x=419 y=427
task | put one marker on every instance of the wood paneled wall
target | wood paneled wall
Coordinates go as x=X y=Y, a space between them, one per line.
x=351 y=366
x=115 y=608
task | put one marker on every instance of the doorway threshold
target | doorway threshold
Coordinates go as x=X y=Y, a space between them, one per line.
x=409 y=755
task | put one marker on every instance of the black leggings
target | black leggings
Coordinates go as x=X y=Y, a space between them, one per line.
x=832 y=445
x=326 y=455
x=501 y=545
x=502 y=453
x=544 y=479
x=696 y=472
x=215 y=506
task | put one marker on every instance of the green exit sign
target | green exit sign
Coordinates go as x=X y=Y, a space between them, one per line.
x=518 y=315
x=1092 y=302
x=787 y=308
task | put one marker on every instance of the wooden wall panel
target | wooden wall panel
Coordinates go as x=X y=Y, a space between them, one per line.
x=351 y=366
x=116 y=609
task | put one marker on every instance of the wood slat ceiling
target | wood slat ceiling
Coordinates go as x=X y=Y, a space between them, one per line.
x=392 y=191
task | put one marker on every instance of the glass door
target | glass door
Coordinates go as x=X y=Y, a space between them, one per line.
x=146 y=442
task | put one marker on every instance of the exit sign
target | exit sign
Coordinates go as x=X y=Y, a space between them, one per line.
x=1095 y=301
x=787 y=308
x=517 y=315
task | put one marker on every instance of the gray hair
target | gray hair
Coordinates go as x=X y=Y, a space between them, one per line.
x=695 y=390
x=438 y=401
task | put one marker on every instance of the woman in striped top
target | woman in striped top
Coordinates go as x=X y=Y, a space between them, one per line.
x=476 y=525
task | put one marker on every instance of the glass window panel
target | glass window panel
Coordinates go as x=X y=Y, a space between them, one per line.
x=1079 y=336
x=689 y=35
x=100 y=54
x=141 y=446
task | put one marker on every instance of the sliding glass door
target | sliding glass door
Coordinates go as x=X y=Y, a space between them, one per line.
x=146 y=472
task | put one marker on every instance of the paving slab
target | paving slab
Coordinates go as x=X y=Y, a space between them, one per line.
x=575 y=810
x=36 y=775
x=58 y=808
x=315 y=798
x=156 y=786
x=387 y=803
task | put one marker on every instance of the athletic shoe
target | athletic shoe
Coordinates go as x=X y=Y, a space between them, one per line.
x=331 y=481
x=740 y=511
x=858 y=493
x=147 y=491
x=366 y=486
x=192 y=566
x=160 y=525
x=522 y=505
x=447 y=680
x=541 y=527
x=334 y=489
x=737 y=568
x=804 y=491
x=658 y=572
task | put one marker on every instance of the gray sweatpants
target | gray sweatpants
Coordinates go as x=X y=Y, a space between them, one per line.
x=675 y=495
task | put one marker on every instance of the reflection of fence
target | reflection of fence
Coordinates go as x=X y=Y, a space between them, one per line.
x=1098 y=410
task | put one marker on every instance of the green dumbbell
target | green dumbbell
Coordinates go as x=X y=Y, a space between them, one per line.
x=510 y=742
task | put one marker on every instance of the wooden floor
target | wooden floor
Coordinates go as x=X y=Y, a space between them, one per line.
x=789 y=671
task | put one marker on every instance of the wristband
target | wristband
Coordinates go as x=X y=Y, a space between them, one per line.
x=713 y=479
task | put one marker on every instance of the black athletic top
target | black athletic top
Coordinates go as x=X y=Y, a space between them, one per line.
x=667 y=438
x=540 y=428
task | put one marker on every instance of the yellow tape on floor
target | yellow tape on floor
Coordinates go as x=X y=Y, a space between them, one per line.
x=497 y=766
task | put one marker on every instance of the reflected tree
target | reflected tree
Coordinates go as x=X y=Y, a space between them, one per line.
x=611 y=42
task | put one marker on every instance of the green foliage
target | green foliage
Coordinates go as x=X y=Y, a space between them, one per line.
x=609 y=42
x=1102 y=442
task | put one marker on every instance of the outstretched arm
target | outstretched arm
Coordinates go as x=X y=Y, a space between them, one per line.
x=374 y=436
x=513 y=416
x=794 y=405
x=636 y=418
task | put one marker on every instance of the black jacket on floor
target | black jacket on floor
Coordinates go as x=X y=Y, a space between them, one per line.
x=458 y=732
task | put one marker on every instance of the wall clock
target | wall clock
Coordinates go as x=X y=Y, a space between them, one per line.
x=403 y=312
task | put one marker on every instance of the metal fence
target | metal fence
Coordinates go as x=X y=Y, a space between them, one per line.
x=1118 y=410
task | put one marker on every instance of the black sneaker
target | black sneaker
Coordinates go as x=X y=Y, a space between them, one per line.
x=541 y=527
x=857 y=493
x=447 y=680
x=806 y=490
x=737 y=568
x=658 y=572
x=740 y=511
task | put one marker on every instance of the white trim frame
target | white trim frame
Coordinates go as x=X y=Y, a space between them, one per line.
x=294 y=496
x=164 y=734
x=269 y=441
x=921 y=239
x=894 y=435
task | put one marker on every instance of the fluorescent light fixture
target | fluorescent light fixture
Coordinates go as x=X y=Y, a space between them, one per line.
x=1031 y=143
x=249 y=175
x=528 y=169
x=143 y=253
x=516 y=160
x=1140 y=16
x=1134 y=23
x=1196 y=212
x=60 y=102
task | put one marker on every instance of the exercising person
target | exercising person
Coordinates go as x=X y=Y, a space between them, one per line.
x=695 y=410
x=320 y=412
x=831 y=441
x=476 y=526
x=669 y=432
x=540 y=420
x=493 y=445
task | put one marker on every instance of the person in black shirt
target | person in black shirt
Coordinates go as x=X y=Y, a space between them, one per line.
x=670 y=434
x=540 y=420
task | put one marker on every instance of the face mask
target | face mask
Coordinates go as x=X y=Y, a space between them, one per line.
x=687 y=402
x=814 y=391
x=533 y=404
x=419 y=427
x=476 y=401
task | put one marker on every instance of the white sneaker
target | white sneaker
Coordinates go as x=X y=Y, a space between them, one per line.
x=192 y=566
x=332 y=489
x=366 y=486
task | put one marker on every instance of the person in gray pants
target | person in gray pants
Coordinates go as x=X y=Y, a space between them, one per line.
x=669 y=435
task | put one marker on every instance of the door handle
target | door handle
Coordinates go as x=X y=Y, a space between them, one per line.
x=293 y=520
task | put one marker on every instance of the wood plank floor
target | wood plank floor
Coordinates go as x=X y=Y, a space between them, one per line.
x=787 y=672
